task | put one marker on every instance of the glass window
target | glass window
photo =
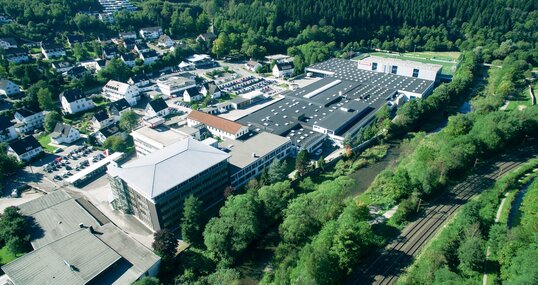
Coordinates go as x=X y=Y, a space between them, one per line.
x=374 y=65
x=415 y=72
x=394 y=69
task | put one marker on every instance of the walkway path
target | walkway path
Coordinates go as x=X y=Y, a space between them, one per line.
x=497 y=217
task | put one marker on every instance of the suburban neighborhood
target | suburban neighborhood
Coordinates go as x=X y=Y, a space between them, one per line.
x=267 y=142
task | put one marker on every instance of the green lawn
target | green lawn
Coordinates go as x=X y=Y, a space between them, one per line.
x=446 y=59
x=44 y=141
x=7 y=256
x=522 y=99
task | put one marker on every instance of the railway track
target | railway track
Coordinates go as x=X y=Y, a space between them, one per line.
x=396 y=256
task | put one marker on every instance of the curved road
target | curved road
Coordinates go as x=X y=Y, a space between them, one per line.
x=385 y=266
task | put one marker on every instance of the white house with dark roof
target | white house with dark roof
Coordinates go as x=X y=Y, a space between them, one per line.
x=149 y=57
x=62 y=66
x=157 y=107
x=115 y=90
x=8 y=88
x=151 y=33
x=109 y=131
x=25 y=149
x=110 y=51
x=117 y=108
x=101 y=120
x=141 y=47
x=153 y=187
x=192 y=95
x=253 y=65
x=7 y=129
x=64 y=134
x=74 y=101
x=29 y=118
x=140 y=80
x=210 y=89
x=16 y=55
x=283 y=69
x=165 y=41
x=129 y=59
x=74 y=39
x=52 y=50
x=128 y=35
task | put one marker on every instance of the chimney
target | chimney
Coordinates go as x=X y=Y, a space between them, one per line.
x=81 y=225
x=254 y=155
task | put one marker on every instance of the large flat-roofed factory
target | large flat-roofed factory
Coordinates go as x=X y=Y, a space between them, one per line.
x=344 y=101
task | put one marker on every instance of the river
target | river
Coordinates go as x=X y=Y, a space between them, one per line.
x=364 y=176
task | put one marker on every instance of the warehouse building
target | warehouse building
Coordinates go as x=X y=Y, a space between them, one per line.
x=75 y=244
x=153 y=187
x=415 y=69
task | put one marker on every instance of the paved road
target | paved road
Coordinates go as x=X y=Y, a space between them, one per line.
x=385 y=266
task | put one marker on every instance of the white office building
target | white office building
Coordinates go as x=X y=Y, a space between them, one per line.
x=115 y=90
x=401 y=67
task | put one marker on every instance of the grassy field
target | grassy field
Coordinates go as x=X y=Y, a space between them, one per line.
x=7 y=256
x=522 y=99
x=44 y=142
x=447 y=60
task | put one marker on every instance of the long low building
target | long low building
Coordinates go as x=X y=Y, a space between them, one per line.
x=220 y=127
x=248 y=158
x=153 y=187
x=74 y=247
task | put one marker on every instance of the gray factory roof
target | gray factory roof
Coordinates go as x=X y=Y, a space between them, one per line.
x=74 y=259
x=158 y=172
x=342 y=119
x=58 y=215
x=243 y=153
x=347 y=70
x=313 y=104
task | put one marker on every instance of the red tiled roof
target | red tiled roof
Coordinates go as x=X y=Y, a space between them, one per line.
x=215 y=122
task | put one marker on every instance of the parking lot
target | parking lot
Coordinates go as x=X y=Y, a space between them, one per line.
x=247 y=84
x=71 y=162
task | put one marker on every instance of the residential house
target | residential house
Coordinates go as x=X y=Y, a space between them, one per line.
x=7 y=129
x=283 y=69
x=220 y=127
x=74 y=39
x=16 y=55
x=52 y=50
x=76 y=72
x=157 y=107
x=117 y=108
x=62 y=66
x=206 y=37
x=25 y=149
x=253 y=65
x=149 y=57
x=153 y=187
x=106 y=18
x=210 y=89
x=165 y=41
x=201 y=60
x=175 y=85
x=115 y=90
x=128 y=44
x=64 y=134
x=74 y=101
x=110 y=51
x=94 y=65
x=151 y=33
x=101 y=120
x=140 y=80
x=192 y=95
x=29 y=118
x=129 y=59
x=109 y=131
x=141 y=47
x=128 y=35
x=7 y=43
x=184 y=66
x=8 y=88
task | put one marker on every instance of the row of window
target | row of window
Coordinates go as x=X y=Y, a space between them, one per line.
x=394 y=69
